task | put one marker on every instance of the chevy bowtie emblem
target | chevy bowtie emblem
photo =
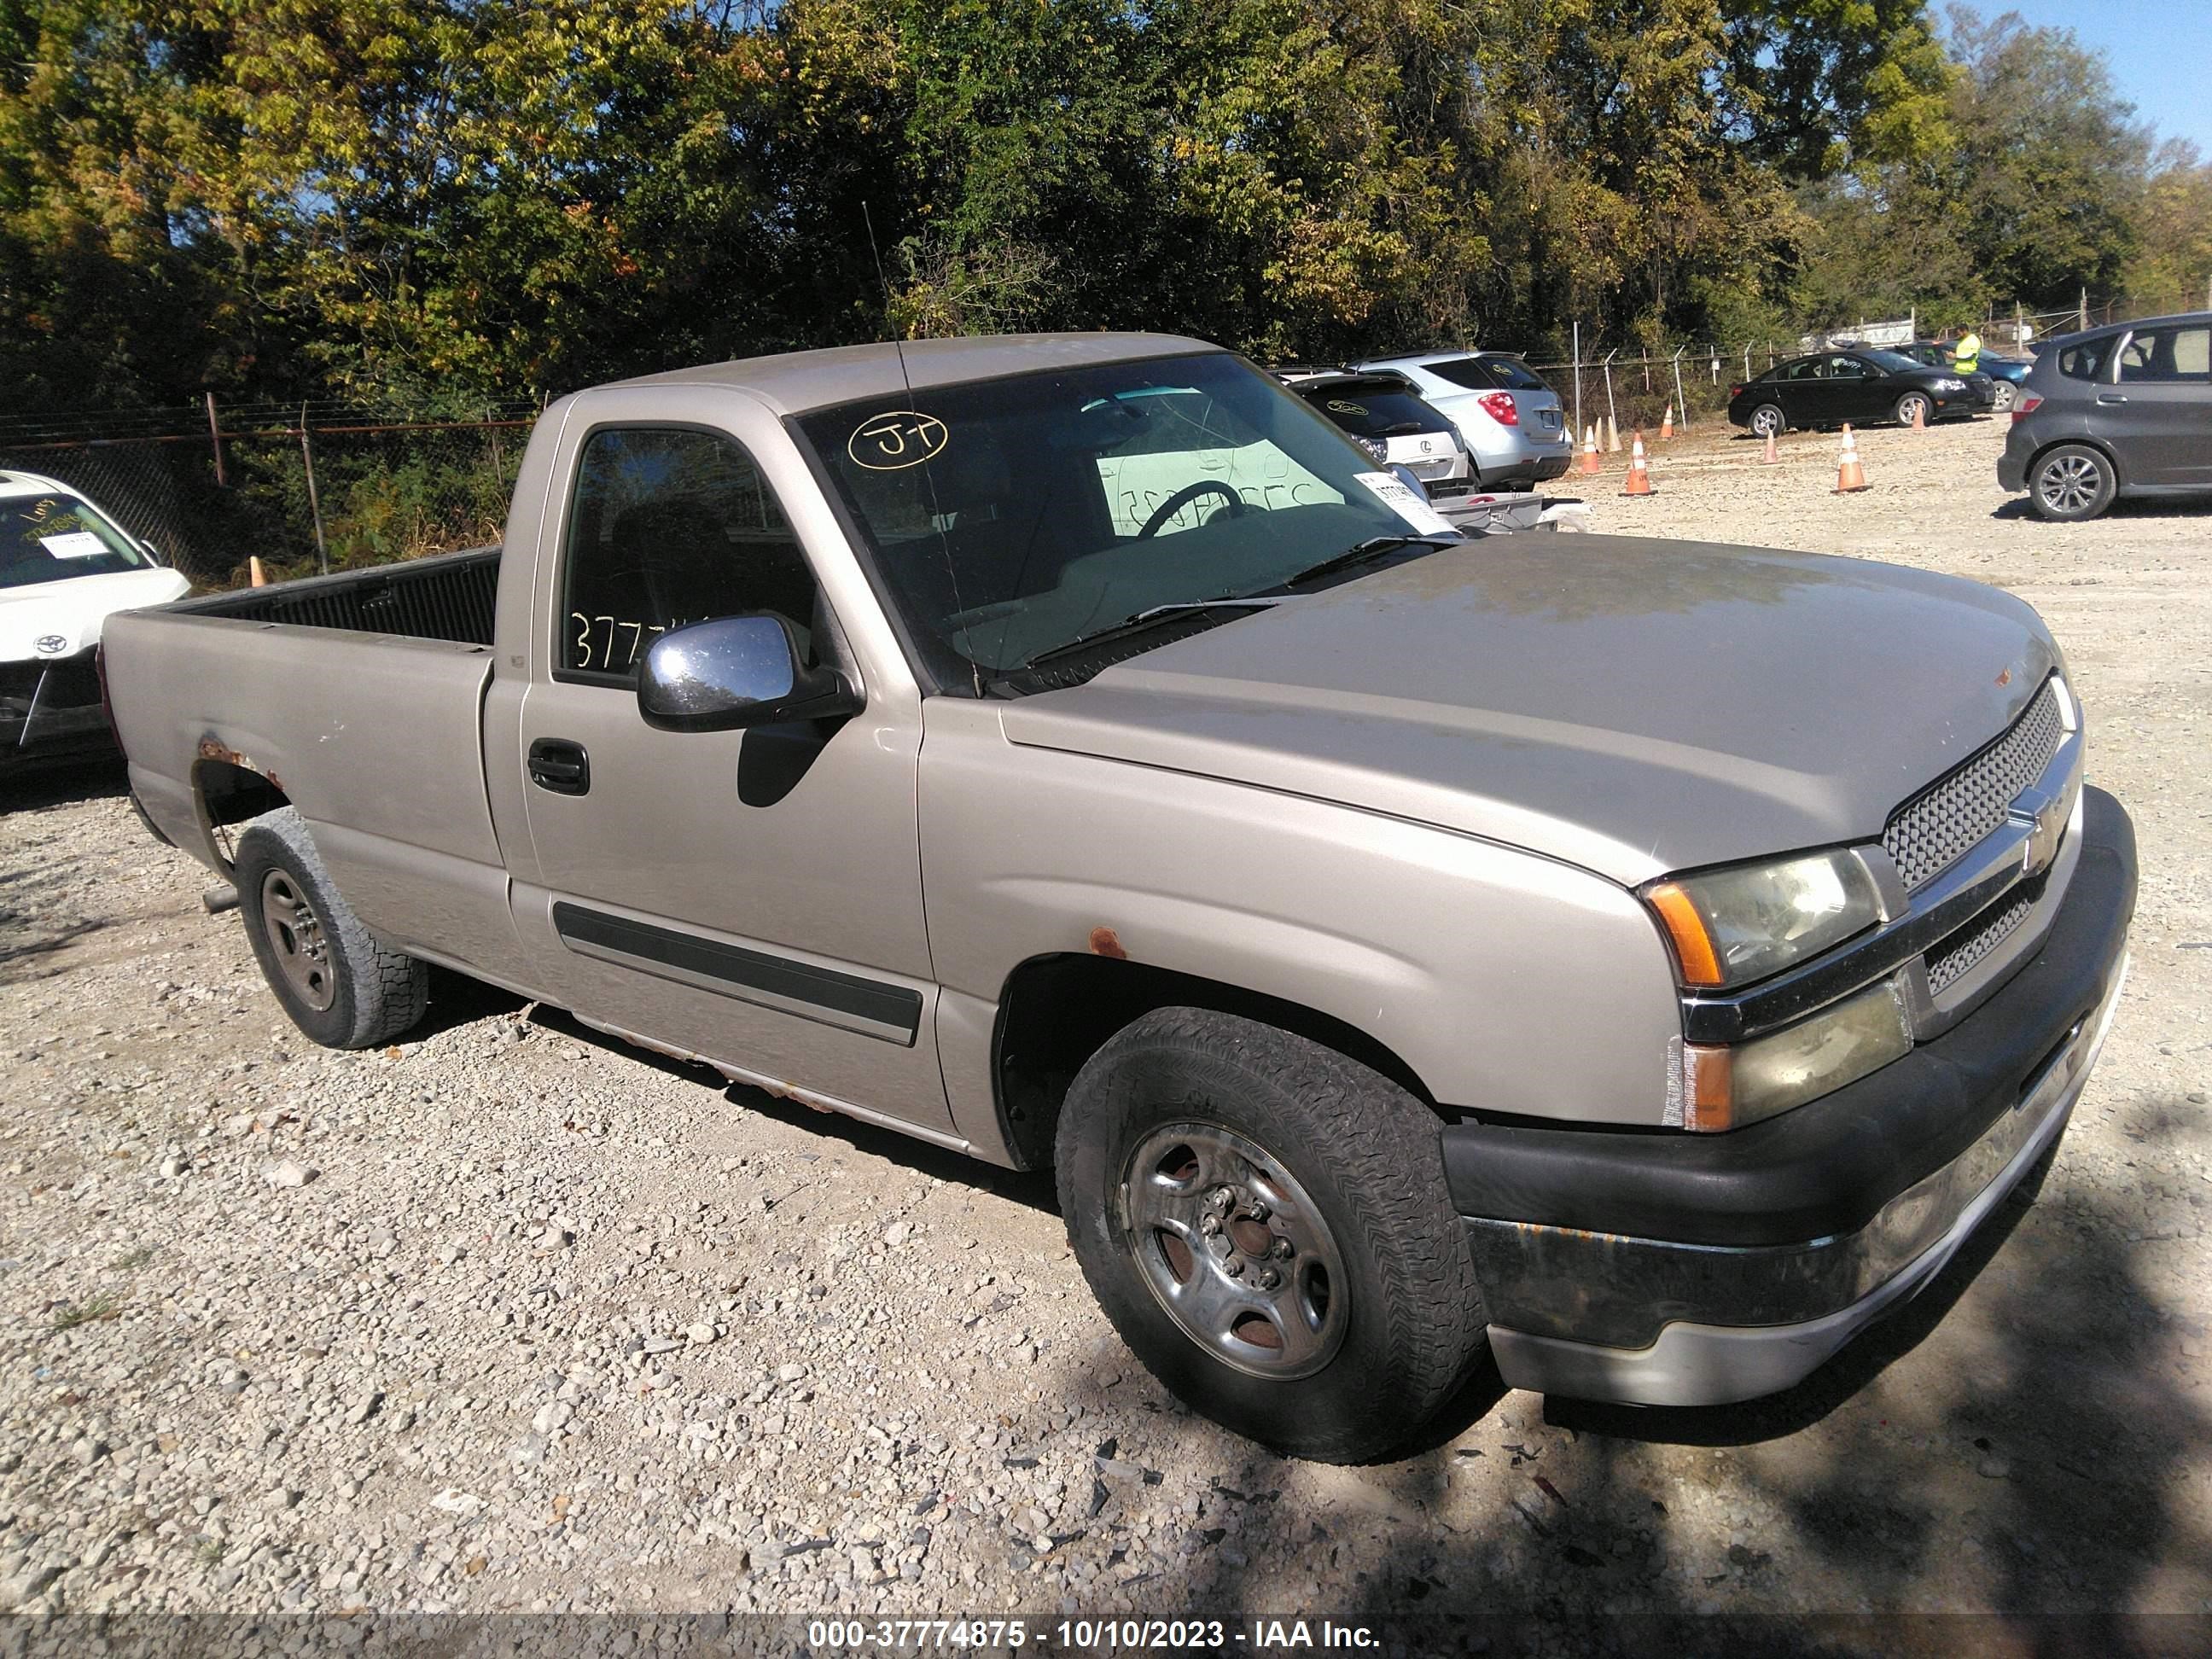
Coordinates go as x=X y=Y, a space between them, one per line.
x=51 y=645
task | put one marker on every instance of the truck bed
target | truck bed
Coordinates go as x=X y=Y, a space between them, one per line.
x=446 y=598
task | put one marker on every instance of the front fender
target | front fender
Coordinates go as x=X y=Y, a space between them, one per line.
x=1506 y=982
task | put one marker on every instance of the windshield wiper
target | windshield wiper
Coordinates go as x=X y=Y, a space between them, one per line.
x=1137 y=624
x=1373 y=547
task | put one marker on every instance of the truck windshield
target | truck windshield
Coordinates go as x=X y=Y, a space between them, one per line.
x=51 y=538
x=1008 y=517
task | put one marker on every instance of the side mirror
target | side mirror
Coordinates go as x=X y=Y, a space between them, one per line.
x=736 y=671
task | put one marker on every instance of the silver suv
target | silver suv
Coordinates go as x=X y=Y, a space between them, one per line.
x=1514 y=426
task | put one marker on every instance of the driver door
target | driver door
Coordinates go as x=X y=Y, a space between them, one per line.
x=752 y=897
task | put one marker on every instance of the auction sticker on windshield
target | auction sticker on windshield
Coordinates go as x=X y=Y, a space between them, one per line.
x=1406 y=504
x=896 y=438
x=74 y=544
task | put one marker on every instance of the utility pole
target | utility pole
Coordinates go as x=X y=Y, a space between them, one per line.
x=314 y=501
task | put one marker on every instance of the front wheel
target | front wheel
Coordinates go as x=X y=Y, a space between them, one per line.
x=1914 y=406
x=2072 y=482
x=1266 y=1224
x=339 y=985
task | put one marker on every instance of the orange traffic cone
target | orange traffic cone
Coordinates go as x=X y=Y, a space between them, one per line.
x=1919 y=415
x=1590 y=448
x=1667 y=425
x=1611 y=437
x=1639 y=480
x=1773 y=451
x=1849 y=475
x=253 y=570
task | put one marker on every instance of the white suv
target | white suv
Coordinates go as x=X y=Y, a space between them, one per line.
x=1514 y=426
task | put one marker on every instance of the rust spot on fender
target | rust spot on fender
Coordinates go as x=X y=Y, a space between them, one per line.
x=1105 y=942
x=2005 y=679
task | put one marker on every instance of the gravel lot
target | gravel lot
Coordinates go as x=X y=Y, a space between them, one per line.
x=512 y=1317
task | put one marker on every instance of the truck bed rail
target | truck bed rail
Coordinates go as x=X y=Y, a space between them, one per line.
x=447 y=598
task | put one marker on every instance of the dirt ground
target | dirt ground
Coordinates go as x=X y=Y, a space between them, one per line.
x=512 y=1318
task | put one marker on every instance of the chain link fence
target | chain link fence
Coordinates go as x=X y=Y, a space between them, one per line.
x=323 y=487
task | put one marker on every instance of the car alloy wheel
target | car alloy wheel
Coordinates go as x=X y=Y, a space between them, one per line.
x=1766 y=421
x=2007 y=395
x=295 y=941
x=2069 y=484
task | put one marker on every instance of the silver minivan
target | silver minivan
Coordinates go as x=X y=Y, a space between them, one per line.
x=1513 y=423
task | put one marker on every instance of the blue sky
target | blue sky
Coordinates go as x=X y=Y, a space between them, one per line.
x=2157 y=50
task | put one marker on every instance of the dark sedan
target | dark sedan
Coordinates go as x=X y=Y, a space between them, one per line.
x=2122 y=410
x=1990 y=390
x=1831 y=387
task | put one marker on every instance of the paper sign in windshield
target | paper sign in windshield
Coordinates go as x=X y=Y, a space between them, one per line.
x=896 y=438
x=1406 y=504
x=74 y=544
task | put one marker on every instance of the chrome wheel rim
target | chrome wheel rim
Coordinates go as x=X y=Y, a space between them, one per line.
x=296 y=942
x=2069 y=484
x=2006 y=391
x=1910 y=407
x=1234 y=1251
x=1766 y=421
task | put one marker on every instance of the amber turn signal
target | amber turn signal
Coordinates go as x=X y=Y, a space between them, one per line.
x=1694 y=946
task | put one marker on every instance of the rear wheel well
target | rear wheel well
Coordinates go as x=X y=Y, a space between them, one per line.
x=227 y=793
x=1057 y=1011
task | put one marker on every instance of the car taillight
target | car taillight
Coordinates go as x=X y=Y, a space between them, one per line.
x=1501 y=408
x=1735 y=392
x=2028 y=402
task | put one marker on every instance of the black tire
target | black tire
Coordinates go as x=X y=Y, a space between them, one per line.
x=1768 y=418
x=1407 y=1313
x=2072 y=482
x=1912 y=400
x=335 y=982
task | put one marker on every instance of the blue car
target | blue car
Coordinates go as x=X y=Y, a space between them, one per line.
x=2005 y=373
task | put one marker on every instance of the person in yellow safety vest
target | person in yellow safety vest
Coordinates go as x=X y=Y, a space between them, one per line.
x=1966 y=354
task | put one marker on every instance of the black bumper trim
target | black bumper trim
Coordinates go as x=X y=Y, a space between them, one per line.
x=1829 y=1166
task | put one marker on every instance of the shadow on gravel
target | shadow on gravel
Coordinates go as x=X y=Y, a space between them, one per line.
x=36 y=784
x=2162 y=507
x=2039 y=1465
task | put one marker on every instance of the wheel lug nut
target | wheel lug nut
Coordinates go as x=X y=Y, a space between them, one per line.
x=1258 y=1210
x=1282 y=1250
x=1268 y=1279
x=1221 y=1198
x=1209 y=1225
x=1235 y=1267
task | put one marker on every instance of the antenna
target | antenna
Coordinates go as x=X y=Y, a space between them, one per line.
x=928 y=472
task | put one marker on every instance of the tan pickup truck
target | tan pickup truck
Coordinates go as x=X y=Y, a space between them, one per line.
x=1642 y=961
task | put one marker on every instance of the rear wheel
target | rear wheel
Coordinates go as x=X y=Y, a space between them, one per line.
x=336 y=982
x=1914 y=405
x=2007 y=395
x=1767 y=421
x=2072 y=482
x=1266 y=1224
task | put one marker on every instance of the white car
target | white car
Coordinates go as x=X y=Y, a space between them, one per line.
x=65 y=568
x=1513 y=423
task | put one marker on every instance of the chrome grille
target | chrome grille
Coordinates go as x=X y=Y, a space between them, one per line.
x=1937 y=827
x=1968 y=948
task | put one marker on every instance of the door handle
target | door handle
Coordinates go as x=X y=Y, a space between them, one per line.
x=2110 y=397
x=560 y=766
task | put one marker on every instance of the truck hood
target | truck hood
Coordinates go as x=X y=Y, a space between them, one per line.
x=59 y=619
x=1633 y=707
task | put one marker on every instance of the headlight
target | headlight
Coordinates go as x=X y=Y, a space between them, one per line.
x=1725 y=1088
x=1730 y=926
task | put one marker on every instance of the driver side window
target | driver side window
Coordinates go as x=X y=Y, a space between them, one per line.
x=1847 y=368
x=669 y=527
